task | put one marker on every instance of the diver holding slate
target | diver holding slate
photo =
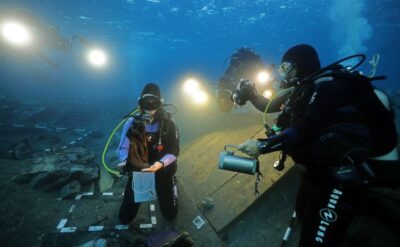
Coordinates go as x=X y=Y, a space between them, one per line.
x=148 y=150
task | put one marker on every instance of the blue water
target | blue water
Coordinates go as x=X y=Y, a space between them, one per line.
x=163 y=41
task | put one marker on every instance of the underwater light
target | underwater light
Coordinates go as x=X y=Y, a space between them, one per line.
x=191 y=86
x=267 y=94
x=263 y=77
x=97 y=57
x=16 y=33
x=200 y=97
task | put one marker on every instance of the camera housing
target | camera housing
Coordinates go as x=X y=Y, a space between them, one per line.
x=244 y=91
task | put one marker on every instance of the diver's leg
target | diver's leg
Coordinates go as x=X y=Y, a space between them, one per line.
x=326 y=216
x=167 y=194
x=129 y=208
x=303 y=196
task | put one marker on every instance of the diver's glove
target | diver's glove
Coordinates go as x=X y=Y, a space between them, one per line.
x=251 y=148
x=285 y=140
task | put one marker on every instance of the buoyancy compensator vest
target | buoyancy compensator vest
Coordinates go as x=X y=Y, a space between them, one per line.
x=379 y=119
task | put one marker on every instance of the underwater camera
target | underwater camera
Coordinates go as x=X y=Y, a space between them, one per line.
x=243 y=92
x=228 y=161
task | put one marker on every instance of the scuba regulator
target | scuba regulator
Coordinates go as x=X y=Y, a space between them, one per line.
x=142 y=118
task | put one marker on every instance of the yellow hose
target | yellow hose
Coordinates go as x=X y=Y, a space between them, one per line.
x=103 y=157
x=269 y=103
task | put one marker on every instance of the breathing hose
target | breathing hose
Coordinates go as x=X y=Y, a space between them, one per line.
x=280 y=93
x=103 y=157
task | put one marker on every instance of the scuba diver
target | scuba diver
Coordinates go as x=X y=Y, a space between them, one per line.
x=150 y=146
x=334 y=125
x=244 y=65
x=47 y=37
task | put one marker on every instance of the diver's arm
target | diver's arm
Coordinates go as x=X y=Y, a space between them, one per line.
x=259 y=102
x=285 y=140
x=319 y=114
x=123 y=147
x=168 y=159
x=172 y=144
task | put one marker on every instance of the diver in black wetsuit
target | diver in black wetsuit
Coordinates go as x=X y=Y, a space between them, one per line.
x=47 y=37
x=244 y=64
x=326 y=127
x=159 y=154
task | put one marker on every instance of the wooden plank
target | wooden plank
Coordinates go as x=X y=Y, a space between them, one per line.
x=232 y=192
x=198 y=162
x=237 y=194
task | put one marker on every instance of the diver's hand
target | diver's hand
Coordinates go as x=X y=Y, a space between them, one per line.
x=153 y=168
x=251 y=148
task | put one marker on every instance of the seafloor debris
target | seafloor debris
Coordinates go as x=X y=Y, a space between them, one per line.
x=66 y=171
x=208 y=203
x=22 y=150
x=70 y=189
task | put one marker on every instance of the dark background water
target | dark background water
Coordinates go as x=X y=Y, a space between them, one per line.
x=164 y=41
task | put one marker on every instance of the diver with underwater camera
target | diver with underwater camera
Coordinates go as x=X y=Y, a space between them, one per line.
x=245 y=65
x=340 y=130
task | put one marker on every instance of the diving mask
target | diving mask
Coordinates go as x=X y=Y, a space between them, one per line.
x=151 y=104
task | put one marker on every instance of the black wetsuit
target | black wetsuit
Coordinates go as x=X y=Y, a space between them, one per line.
x=322 y=125
x=324 y=205
x=165 y=177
